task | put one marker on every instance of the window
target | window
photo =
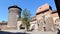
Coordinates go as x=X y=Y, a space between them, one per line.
x=57 y=20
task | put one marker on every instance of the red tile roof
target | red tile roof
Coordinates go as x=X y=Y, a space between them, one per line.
x=3 y=23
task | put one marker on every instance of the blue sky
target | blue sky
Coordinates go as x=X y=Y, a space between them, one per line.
x=31 y=5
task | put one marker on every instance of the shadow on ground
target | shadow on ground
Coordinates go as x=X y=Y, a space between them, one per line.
x=58 y=32
x=3 y=32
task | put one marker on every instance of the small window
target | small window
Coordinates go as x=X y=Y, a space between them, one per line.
x=57 y=20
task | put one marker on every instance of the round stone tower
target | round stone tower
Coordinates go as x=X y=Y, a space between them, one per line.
x=13 y=15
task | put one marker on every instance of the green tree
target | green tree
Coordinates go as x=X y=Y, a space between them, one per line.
x=26 y=16
x=3 y=21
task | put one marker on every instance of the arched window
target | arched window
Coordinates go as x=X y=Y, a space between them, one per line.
x=57 y=20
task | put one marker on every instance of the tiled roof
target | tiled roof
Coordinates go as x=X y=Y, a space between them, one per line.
x=55 y=11
x=33 y=18
x=3 y=23
x=43 y=8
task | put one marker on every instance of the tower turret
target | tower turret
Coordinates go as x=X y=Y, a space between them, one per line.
x=14 y=15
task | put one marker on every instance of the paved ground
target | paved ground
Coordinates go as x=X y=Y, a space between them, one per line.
x=12 y=32
x=23 y=32
x=44 y=33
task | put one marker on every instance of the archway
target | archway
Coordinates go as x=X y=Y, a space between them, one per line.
x=22 y=26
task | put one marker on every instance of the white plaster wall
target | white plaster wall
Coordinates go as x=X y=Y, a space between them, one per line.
x=18 y=24
x=34 y=25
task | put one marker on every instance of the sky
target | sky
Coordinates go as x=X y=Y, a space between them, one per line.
x=31 y=5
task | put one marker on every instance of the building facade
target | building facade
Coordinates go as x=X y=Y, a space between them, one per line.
x=33 y=24
x=46 y=19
